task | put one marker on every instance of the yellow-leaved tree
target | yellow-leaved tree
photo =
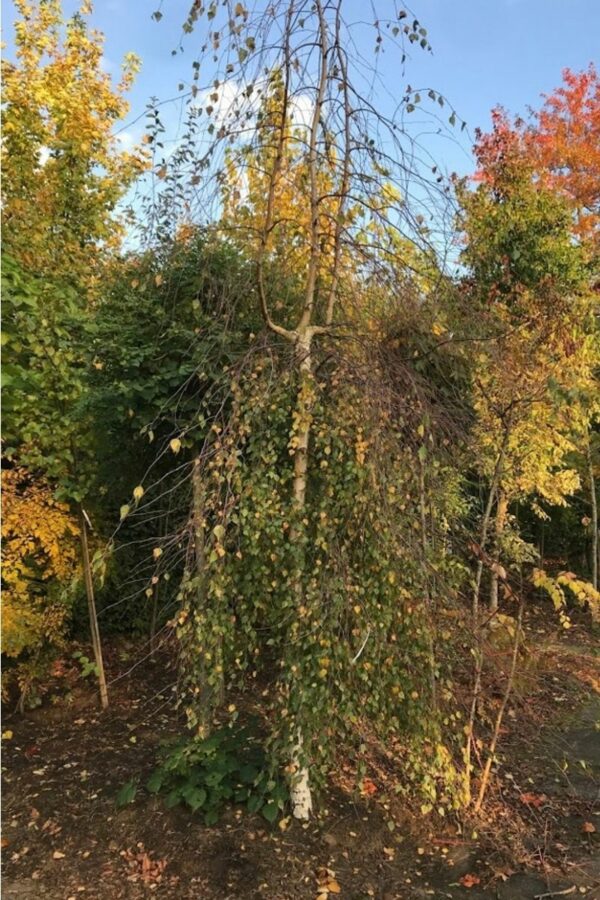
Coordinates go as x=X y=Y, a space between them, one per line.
x=271 y=181
x=64 y=170
x=64 y=174
x=534 y=372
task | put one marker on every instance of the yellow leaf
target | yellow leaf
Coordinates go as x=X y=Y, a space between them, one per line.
x=158 y=279
x=138 y=492
x=124 y=511
x=157 y=552
x=175 y=445
x=7 y=735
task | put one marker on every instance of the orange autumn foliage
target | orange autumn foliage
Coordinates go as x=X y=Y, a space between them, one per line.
x=560 y=144
x=564 y=142
x=40 y=559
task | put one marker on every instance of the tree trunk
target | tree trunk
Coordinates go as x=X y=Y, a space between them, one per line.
x=478 y=644
x=485 y=524
x=595 y=532
x=485 y=778
x=300 y=792
x=501 y=511
x=91 y=601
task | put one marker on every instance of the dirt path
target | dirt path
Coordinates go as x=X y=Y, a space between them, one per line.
x=65 y=838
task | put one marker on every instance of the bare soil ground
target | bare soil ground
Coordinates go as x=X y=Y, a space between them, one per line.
x=64 y=837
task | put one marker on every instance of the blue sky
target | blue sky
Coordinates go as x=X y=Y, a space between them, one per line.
x=485 y=52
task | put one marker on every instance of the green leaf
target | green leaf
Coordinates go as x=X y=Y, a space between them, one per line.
x=127 y=793
x=173 y=798
x=194 y=797
x=248 y=774
x=254 y=803
x=211 y=817
x=270 y=811
x=154 y=783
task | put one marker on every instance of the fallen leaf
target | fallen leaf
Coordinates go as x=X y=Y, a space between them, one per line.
x=333 y=887
x=58 y=855
x=7 y=735
x=368 y=787
x=530 y=799
x=469 y=880
x=588 y=828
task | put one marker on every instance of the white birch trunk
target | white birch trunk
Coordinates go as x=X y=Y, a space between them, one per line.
x=300 y=792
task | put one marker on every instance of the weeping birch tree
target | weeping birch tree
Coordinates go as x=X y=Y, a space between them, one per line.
x=332 y=202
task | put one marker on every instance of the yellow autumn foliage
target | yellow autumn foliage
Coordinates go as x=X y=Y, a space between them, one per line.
x=512 y=391
x=40 y=558
x=64 y=170
x=247 y=183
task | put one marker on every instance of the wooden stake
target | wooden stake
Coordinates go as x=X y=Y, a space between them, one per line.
x=89 y=589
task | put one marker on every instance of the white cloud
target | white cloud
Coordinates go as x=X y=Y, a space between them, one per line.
x=302 y=110
x=107 y=65
x=126 y=140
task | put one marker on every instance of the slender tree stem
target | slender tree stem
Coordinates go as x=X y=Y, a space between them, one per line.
x=91 y=601
x=478 y=648
x=498 y=724
x=595 y=530
x=500 y=522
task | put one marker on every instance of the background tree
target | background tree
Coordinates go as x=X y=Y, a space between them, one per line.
x=64 y=173
x=40 y=560
x=64 y=169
